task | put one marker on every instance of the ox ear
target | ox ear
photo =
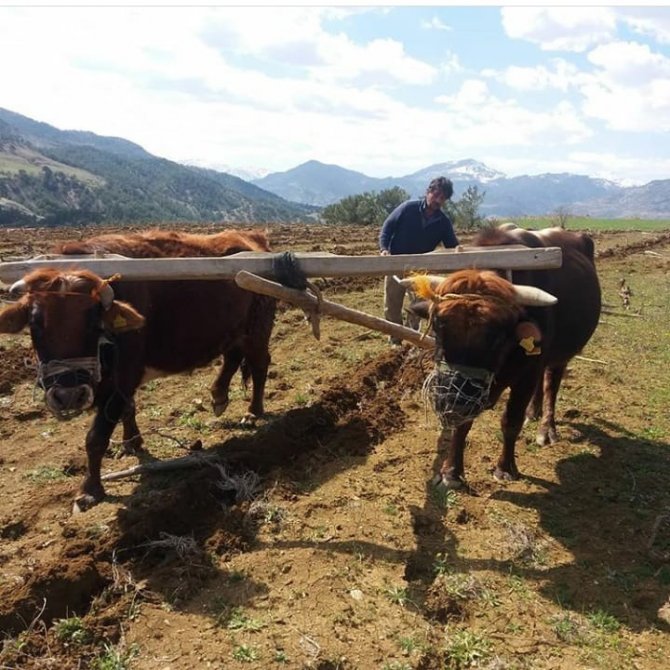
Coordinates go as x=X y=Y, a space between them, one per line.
x=14 y=318
x=121 y=317
x=529 y=337
x=421 y=308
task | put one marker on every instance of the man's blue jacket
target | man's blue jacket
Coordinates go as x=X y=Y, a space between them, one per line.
x=406 y=231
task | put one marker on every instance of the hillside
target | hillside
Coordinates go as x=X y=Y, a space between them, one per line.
x=59 y=177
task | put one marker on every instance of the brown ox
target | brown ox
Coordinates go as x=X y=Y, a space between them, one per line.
x=492 y=335
x=96 y=341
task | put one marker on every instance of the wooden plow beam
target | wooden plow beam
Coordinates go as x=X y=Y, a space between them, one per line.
x=313 y=308
x=312 y=264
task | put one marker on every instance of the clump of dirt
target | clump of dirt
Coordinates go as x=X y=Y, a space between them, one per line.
x=13 y=367
x=451 y=597
x=634 y=247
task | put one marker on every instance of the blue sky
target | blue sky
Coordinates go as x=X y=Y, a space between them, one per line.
x=385 y=90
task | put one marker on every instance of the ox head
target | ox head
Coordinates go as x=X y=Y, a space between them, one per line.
x=479 y=323
x=69 y=315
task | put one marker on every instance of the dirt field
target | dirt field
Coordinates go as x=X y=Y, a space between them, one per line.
x=345 y=557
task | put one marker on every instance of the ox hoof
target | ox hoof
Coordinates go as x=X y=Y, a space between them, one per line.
x=84 y=502
x=131 y=447
x=249 y=419
x=548 y=437
x=503 y=476
x=446 y=482
x=219 y=407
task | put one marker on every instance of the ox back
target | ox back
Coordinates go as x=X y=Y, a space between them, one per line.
x=568 y=325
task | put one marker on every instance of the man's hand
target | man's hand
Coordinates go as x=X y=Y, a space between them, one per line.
x=384 y=252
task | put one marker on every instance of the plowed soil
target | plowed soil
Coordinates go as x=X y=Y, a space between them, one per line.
x=334 y=550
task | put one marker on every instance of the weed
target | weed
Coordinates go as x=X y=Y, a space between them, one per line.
x=280 y=656
x=397 y=595
x=466 y=648
x=390 y=509
x=238 y=620
x=409 y=645
x=603 y=622
x=444 y=498
x=245 y=653
x=301 y=399
x=71 y=631
x=441 y=564
x=114 y=658
x=568 y=629
x=46 y=473
x=396 y=665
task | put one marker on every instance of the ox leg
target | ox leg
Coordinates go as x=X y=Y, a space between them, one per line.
x=511 y=424
x=547 y=433
x=97 y=441
x=132 y=439
x=259 y=362
x=534 y=410
x=219 y=390
x=452 y=470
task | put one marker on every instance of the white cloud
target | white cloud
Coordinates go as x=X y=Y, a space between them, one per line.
x=435 y=24
x=560 y=28
x=559 y=75
x=652 y=21
x=480 y=119
x=630 y=89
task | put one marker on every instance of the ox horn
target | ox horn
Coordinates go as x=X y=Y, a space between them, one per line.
x=532 y=296
x=106 y=293
x=18 y=288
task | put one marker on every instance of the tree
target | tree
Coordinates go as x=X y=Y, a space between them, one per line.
x=561 y=216
x=465 y=212
x=367 y=209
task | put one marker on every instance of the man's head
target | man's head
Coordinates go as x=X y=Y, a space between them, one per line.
x=439 y=191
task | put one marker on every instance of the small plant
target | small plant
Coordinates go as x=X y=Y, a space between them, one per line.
x=45 y=474
x=71 y=631
x=440 y=564
x=466 y=648
x=445 y=499
x=568 y=629
x=245 y=653
x=301 y=399
x=114 y=658
x=391 y=509
x=280 y=656
x=604 y=622
x=238 y=620
x=397 y=595
x=409 y=644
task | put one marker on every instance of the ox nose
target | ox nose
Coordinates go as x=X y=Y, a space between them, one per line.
x=67 y=402
x=458 y=398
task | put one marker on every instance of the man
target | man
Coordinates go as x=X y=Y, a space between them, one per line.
x=415 y=227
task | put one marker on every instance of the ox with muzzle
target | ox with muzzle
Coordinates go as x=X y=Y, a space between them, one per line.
x=96 y=341
x=492 y=334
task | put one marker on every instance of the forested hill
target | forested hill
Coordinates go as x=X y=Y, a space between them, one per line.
x=54 y=177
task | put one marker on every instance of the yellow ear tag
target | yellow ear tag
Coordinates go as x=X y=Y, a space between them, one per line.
x=528 y=345
x=119 y=322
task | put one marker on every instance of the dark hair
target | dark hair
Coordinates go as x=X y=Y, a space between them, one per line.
x=442 y=184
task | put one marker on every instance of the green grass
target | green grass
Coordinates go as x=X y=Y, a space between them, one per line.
x=71 y=631
x=45 y=474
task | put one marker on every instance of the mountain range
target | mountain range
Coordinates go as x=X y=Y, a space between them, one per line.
x=53 y=177
x=321 y=184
